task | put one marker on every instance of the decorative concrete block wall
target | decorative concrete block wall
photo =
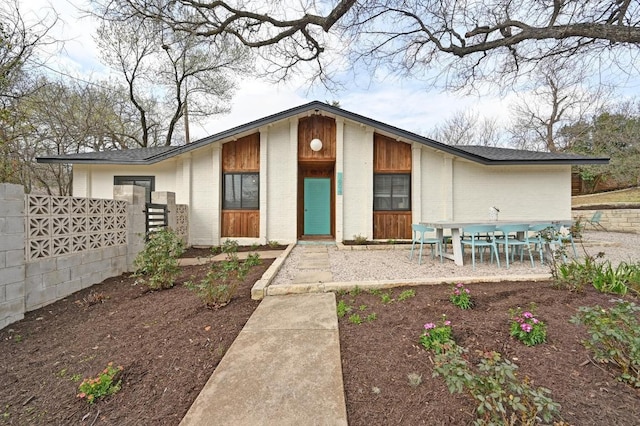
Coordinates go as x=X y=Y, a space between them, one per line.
x=12 y=250
x=617 y=220
x=51 y=247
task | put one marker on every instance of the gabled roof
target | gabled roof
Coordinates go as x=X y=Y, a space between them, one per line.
x=478 y=154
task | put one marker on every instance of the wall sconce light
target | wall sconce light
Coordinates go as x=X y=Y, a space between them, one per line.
x=315 y=144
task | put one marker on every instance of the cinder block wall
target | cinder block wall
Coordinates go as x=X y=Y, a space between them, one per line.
x=12 y=259
x=51 y=247
x=617 y=220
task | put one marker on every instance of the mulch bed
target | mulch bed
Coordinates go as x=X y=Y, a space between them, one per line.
x=168 y=342
x=378 y=355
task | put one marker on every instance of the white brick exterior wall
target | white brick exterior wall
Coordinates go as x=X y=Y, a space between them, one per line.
x=358 y=181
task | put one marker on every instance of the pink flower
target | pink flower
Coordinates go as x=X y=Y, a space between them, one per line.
x=526 y=327
x=456 y=292
x=447 y=322
x=535 y=320
x=527 y=314
x=467 y=290
x=460 y=285
x=429 y=326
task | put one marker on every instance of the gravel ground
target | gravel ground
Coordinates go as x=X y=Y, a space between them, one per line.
x=369 y=265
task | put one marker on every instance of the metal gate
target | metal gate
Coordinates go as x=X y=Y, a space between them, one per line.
x=156 y=217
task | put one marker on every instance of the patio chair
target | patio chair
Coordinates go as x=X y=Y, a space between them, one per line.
x=536 y=239
x=480 y=237
x=564 y=235
x=516 y=236
x=595 y=220
x=419 y=232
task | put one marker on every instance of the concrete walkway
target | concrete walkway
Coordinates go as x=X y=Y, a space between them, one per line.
x=284 y=368
x=314 y=265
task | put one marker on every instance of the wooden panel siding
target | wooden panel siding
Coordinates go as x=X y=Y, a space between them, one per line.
x=242 y=155
x=317 y=127
x=390 y=156
x=241 y=223
x=391 y=225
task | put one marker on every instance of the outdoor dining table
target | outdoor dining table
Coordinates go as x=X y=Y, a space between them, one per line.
x=457 y=229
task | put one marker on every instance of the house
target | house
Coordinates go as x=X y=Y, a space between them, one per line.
x=320 y=172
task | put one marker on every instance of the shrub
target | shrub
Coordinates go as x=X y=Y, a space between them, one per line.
x=461 y=296
x=526 y=327
x=614 y=337
x=220 y=285
x=503 y=399
x=436 y=336
x=359 y=239
x=157 y=263
x=103 y=385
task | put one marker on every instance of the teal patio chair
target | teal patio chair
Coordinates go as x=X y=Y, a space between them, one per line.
x=536 y=239
x=419 y=232
x=517 y=237
x=565 y=236
x=595 y=220
x=480 y=237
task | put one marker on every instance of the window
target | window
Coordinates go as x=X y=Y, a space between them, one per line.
x=147 y=182
x=391 y=192
x=241 y=191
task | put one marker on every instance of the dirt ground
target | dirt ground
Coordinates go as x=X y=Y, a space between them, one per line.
x=378 y=355
x=169 y=344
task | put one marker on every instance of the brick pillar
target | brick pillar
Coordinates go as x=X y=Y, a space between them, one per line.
x=12 y=254
x=135 y=198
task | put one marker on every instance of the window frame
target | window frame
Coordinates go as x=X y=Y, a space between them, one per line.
x=150 y=179
x=390 y=197
x=224 y=190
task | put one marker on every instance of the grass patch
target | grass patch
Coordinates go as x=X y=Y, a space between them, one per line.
x=631 y=195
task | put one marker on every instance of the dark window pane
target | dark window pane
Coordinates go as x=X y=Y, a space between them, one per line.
x=250 y=191
x=391 y=192
x=241 y=191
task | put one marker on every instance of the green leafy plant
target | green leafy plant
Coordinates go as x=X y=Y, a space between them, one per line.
x=461 y=296
x=355 y=291
x=355 y=319
x=103 y=385
x=406 y=294
x=157 y=264
x=386 y=298
x=617 y=280
x=342 y=308
x=359 y=239
x=362 y=307
x=371 y=317
x=526 y=327
x=614 y=337
x=435 y=336
x=220 y=285
x=273 y=244
x=502 y=398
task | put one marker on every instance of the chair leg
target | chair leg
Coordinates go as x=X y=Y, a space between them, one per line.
x=413 y=244
x=420 y=255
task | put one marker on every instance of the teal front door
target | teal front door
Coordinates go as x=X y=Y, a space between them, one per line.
x=317 y=206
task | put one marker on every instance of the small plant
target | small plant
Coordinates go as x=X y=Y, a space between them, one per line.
x=406 y=294
x=103 y=385
x=526 y=327
x=502 y=398
x=362 y=307
x=255 y=246
x=375 y=292
x=371 y=317
x=157 y=263
x=355 y=319
x=355 y=291
x=221 y=283
x=461 y=297
x=359 y=239
x=436 y=336
x=386 y=298
x=392 y=241
x=415 y=379
x=342 y=308
x=273 y=244
x=614 y=337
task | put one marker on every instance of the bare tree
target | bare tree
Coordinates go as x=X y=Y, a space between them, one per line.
x=164 y=70
x=480 y=40
x=467 y=127
x=558 y=97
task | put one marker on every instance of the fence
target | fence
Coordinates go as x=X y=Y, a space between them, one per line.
x=51 y=247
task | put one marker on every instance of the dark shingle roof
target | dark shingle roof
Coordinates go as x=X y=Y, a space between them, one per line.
x=479 y=154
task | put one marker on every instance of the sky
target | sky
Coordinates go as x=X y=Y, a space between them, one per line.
x=404 y=103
